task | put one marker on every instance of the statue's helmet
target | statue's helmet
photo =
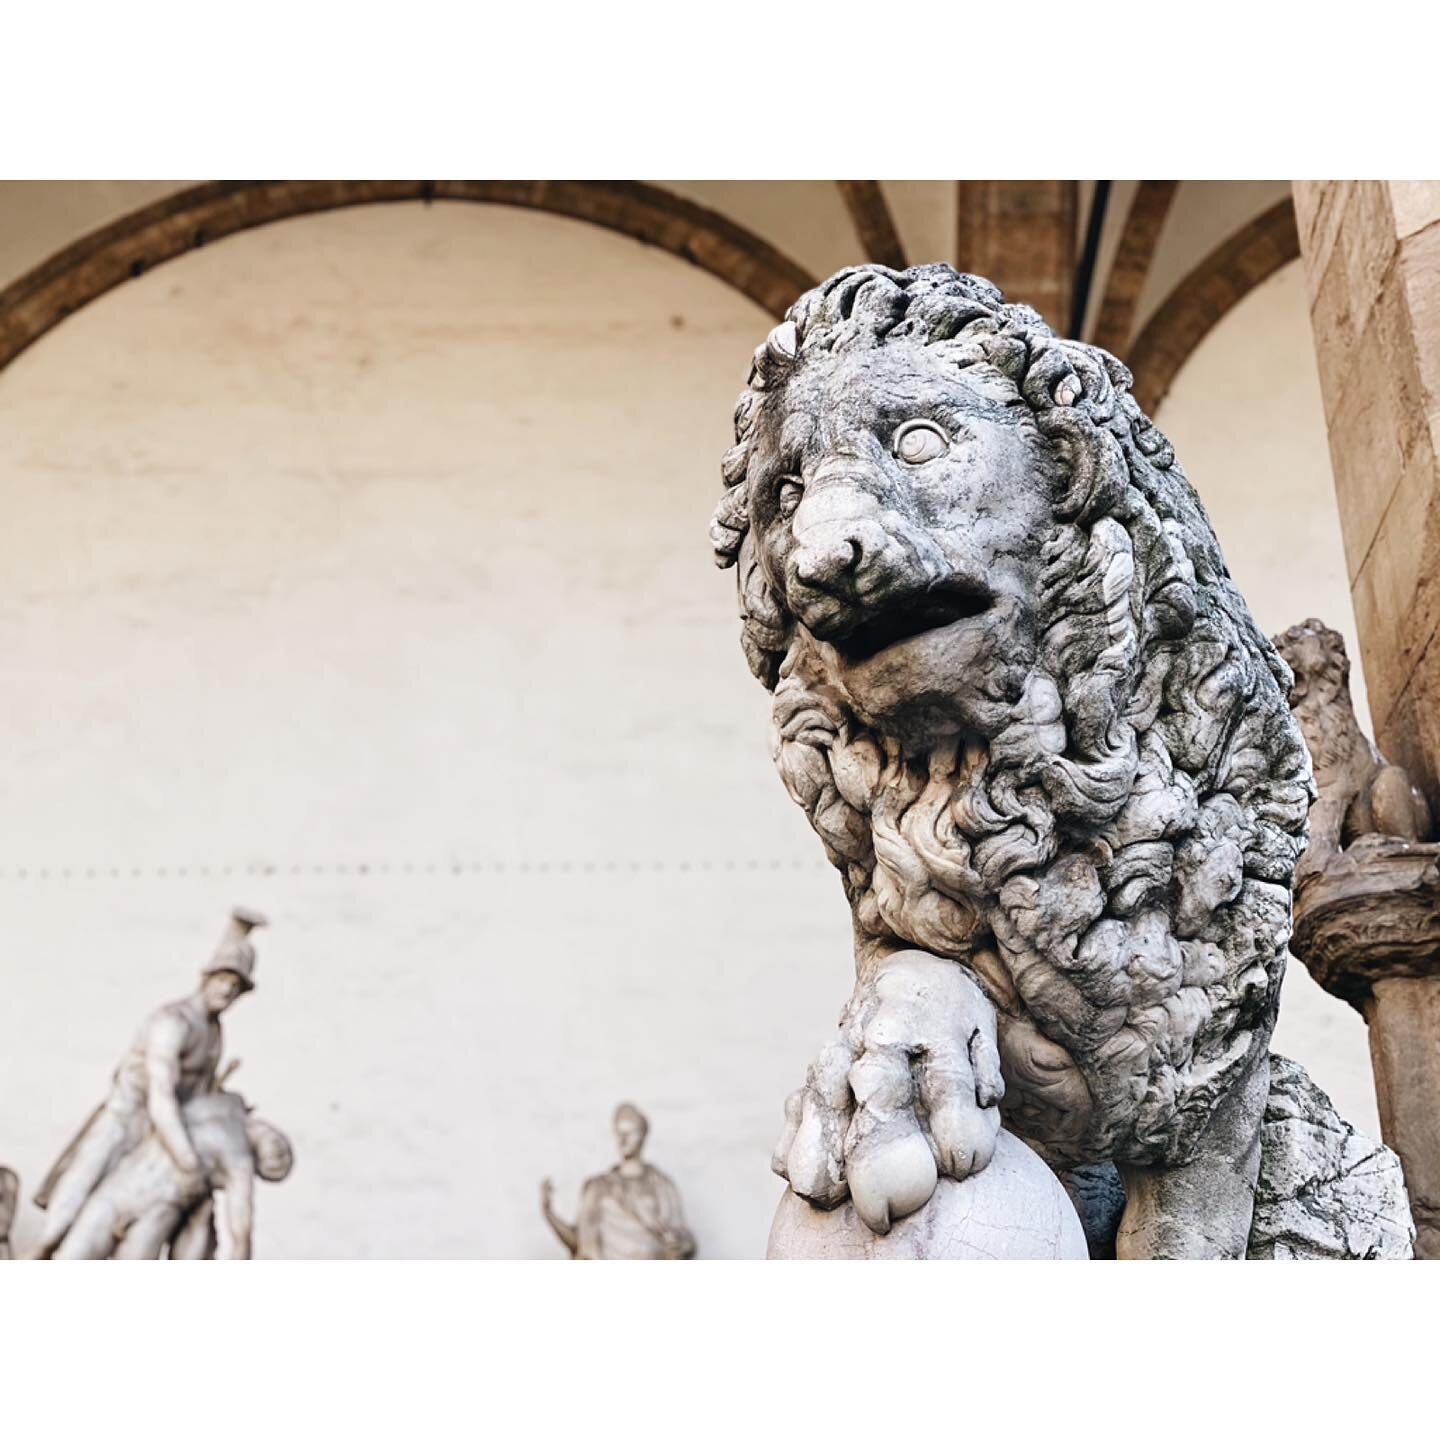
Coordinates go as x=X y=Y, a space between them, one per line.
x=235 y=954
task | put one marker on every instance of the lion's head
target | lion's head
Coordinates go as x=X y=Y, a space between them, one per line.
x=1024 y=705
x=1318 y=663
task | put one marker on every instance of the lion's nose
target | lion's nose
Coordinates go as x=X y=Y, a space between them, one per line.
x=826 y=563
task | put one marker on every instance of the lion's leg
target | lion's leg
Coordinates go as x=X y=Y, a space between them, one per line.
x=1202 y=1210
x=907 y=1092
x=1393 y=810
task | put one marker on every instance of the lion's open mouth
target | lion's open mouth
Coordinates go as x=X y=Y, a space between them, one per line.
x=916 y=615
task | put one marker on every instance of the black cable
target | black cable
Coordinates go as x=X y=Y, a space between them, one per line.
x=1085 y=270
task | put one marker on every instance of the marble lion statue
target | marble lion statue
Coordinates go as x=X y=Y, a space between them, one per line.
x=1042 y=739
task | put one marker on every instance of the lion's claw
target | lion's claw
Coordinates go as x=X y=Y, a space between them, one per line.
x=813 y=1163
x=811 y=1150
x=779 y=1161
x=908 y=1091
x=891 y=1175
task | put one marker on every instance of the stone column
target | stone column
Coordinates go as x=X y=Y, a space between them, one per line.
x=1371 y=251
x=1403 y=1013
x=1021 y=234
x=1367 y=927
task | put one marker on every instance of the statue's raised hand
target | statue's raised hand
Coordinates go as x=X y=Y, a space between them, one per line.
x=908 y=1091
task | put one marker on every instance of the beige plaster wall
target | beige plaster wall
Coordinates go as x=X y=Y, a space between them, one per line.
x=804 y=219
x=356 y=568
x=1202 y=216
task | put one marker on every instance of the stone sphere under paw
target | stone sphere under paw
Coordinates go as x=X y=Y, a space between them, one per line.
x=1014 y=1209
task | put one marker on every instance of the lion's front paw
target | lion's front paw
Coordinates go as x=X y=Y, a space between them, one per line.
x=908 y=1091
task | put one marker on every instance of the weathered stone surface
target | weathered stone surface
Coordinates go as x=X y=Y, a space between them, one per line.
x=1367 y=900
x=1098 y=1195
x=1367 y=910
x=1041 y=738
x=1014 y=1209
x=1373 y=913
x=631 y=1212
x=910 y=1004
x=1403 y=1014
x=1326 y=1192
x=1360 y=792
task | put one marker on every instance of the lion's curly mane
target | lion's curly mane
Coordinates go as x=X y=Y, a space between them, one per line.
x=1115 y=864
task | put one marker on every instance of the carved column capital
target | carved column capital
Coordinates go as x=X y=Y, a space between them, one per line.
x=1371 y=913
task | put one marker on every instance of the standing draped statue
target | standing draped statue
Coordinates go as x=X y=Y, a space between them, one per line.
x=631 y=1212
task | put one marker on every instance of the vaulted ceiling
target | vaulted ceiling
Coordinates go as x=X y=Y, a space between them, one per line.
x=1144 y=268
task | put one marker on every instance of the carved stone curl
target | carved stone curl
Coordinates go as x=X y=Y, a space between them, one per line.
x=1041 y=738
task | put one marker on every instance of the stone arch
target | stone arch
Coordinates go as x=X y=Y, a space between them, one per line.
x=158 y=232
x=1214 y=287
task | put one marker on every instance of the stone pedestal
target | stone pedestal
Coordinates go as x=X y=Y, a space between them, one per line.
x=1367 y=927
x=1014 y=1209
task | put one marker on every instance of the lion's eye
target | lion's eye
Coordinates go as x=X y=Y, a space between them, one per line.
x=917 y=441
x=789 y=495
